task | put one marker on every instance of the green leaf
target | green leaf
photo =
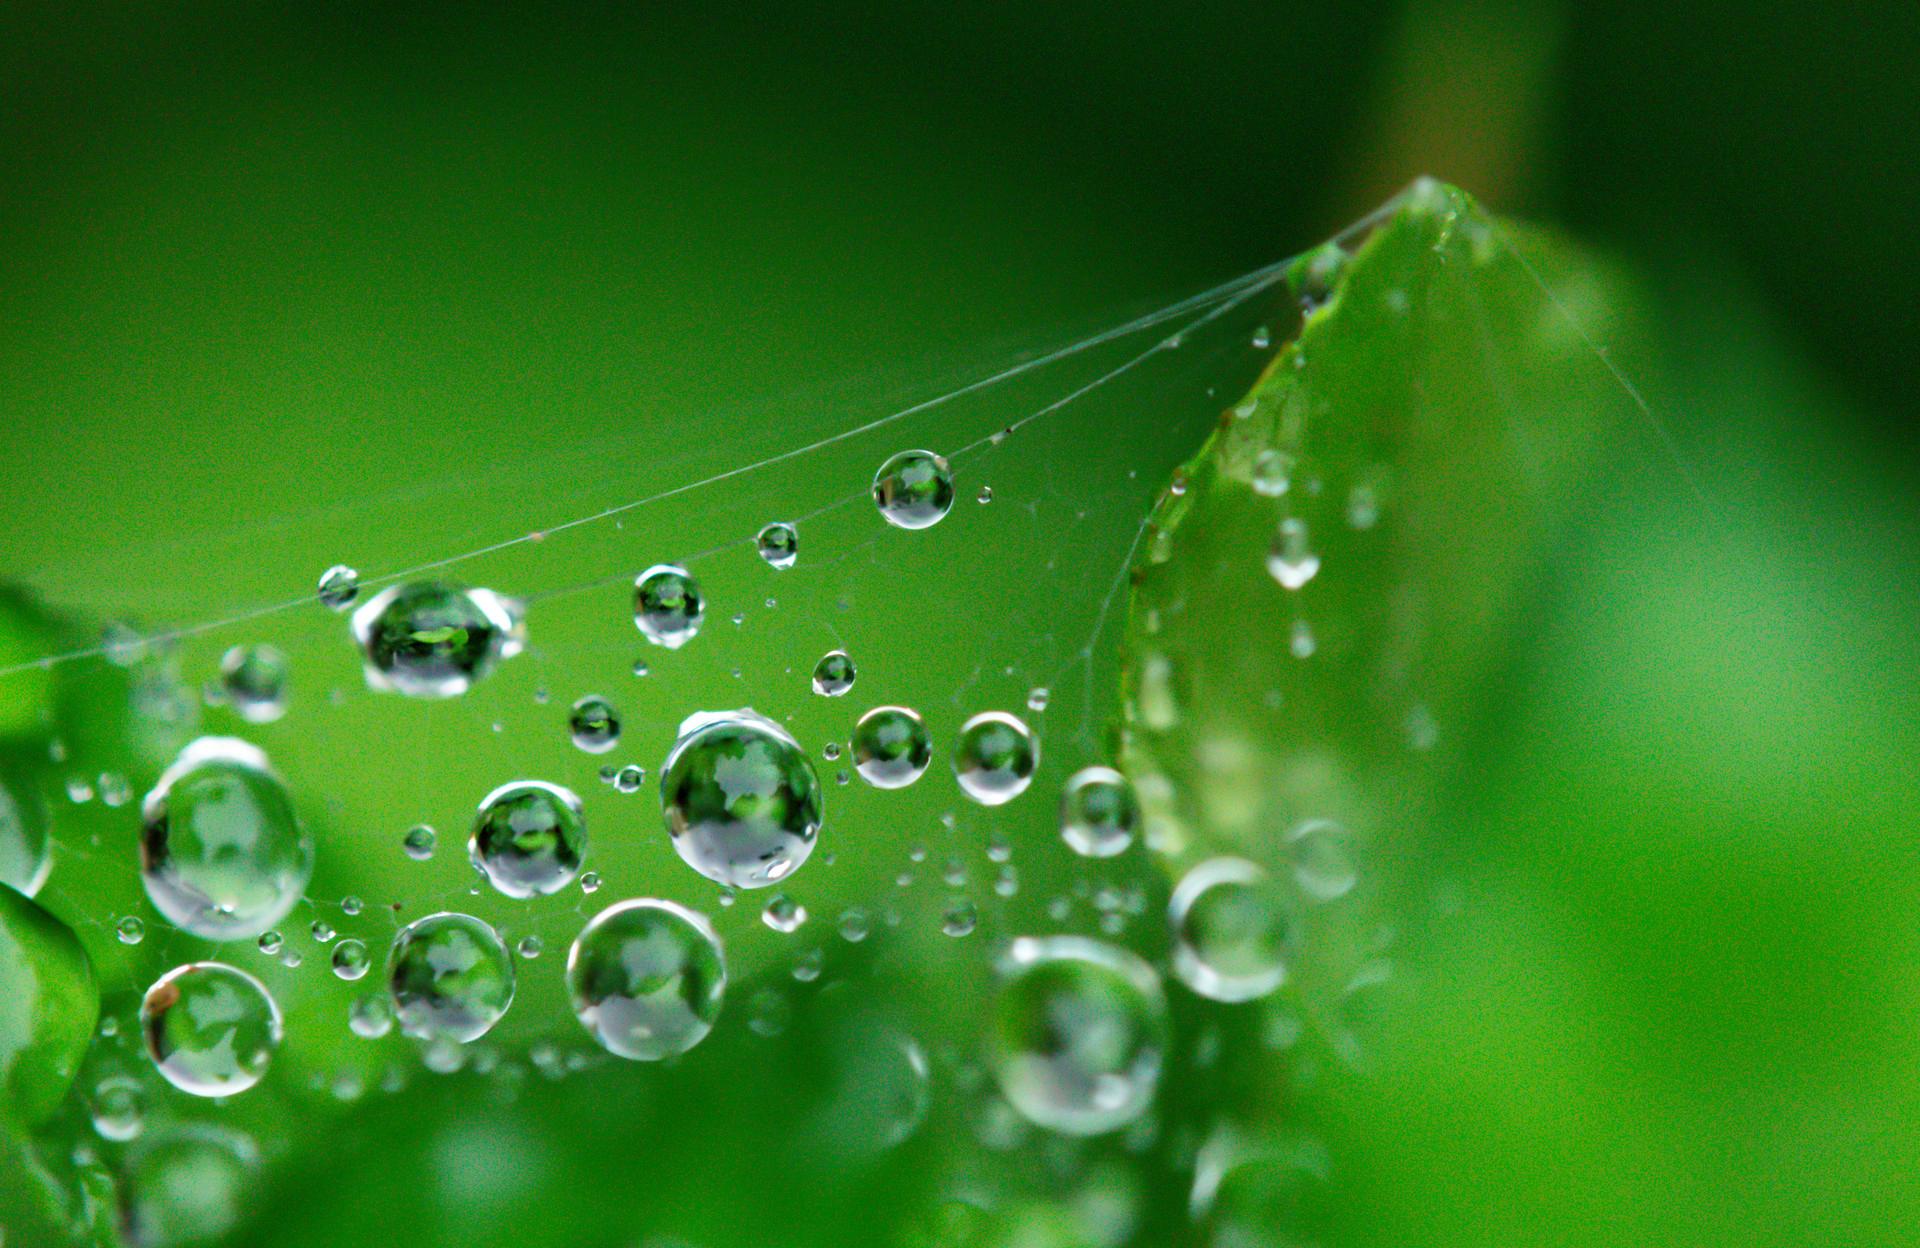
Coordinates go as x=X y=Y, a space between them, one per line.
x=48 y=1003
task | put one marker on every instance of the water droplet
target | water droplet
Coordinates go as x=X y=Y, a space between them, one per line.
x=1079 y=1034
x=429 y=640
x=960 y=918
x=530 y=947
x=370 y=1016
x=529 y=838
x=985 y=495
x=740 y=798
x=1266 y=1200
x=117 y=1106
x=1301 y=642
x=26 y=857
x=418 y=842
x=254 y=680
x=590 y=882
x=995 y=758
x=854 y=925
x=779 y=544
x=1322 y=853
x=450 y=978
x=222 y=855
x=351 y=906
x=130 y=930
x=647 y=979
x=594 y=724
x=1037 y=698
x=1272 y=473
x=784 y=914
x=191 y=1185
x=1099 y=813
x=914 y=489
x=210 y=1029
x=350 y=960
x=1291 y=561
x=1233 y=930
x=270 y=943
x=668 y=605
x=833 y=675
x=321 y=931
x=339 y=586
x=1262 y=338
x=629 y=778
x=1315 y=277
x=891 y=748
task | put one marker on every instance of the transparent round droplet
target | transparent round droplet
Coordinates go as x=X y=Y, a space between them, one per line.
x=1267 y=1202
x=779 y=544
x=222 y=855
x=371 y=1016
x=854 y=925
x=833 y=675
x=1291 y=560
x=130 y=930
x=270 y=943
x=430 y=640
x=322 y=931
x=960 y=918
x=210 y=1029
x=1272 y=473
x=528 y=838
x=253 y=680
x=1099 y=813
x=594 y=724
x=647 y=979
x=740 y=798
x=188 y=1187
x=1234 y=930
x=784 y=914
x=418 y=842
x=339 y=586
x=1079 y=1034
x=117 y=1107
x=668 y=606
x=351 y=960
x=530 y=947
x=1322 y=852
x=914 y=489
x=450 y=976
x=995 y=758
x=629 y=778
x=891 y=748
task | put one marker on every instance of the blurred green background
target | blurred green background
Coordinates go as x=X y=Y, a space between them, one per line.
x=284 y=286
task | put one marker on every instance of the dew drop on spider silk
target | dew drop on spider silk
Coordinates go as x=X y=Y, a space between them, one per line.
x=647 y=979
x=418 y=842
x=783 y=914
x=130 y=930
x=1291 y=560
x=629 y=778
x=594 y=724
x=529 y=838
x=1078 y=1034
x=351 y=960
x=833 y=675
x=741 y=800
x=668 y=606
x=779 y=544
x=914 y=489
x=222 y=854
x=450 y=977
x=995 y=758
x=1099 y=813
x=1322 y=853
x=891 y=747
x=117 y=1107
x=370 y=1016
x=210 y=1029
x=254 y=680
x=1234 y=930
x=430 y=640
x=339 y=586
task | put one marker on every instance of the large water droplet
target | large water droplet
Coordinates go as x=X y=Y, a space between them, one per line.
x=779 y=544
x=668 y=605
x=210 y=1029
x=25 y=850
x=450 y=976
x=429 y=640
x=833 y=675
x=891 y=748
x=188 y=1188
x=740 y=798
x=647 y=979
x=1099 y=812
x=1079 y=1034
x=594 y=724
x=254 y=679
x=222 y=855
x=529 y=837
x=995 y=758
x=1233 y=930
x=914 y=489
